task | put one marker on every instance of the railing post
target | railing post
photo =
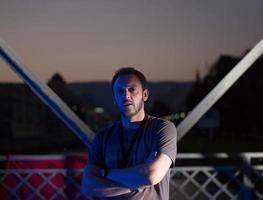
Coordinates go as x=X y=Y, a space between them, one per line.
x=248 y=184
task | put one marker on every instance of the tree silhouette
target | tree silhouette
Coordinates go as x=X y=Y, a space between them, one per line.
x=241 y=106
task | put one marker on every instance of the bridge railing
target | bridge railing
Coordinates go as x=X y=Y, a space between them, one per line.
x=217 y=176
x=195 y=176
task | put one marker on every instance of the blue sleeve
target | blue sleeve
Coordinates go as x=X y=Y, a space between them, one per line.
x=95 y=156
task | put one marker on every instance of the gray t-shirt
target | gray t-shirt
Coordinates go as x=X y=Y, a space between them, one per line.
x=154 y=136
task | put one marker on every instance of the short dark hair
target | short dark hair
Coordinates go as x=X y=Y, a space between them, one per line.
x=130 y=71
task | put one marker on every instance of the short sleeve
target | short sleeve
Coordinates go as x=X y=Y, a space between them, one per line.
x=166 y=140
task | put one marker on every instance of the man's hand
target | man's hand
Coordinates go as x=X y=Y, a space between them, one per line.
x=95 y=184
x=103 y=172
x=149 y=173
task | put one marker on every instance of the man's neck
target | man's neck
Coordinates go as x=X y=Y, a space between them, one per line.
x=133 y=122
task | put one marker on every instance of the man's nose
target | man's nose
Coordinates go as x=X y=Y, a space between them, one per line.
x=127 y=94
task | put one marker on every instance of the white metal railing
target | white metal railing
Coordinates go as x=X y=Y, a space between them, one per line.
x=41 y=176
x=196 y=176
x=238 y=176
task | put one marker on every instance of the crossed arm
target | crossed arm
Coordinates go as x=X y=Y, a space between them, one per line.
x=123 y=181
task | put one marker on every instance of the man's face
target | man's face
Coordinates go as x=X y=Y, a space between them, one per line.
x=129 y=95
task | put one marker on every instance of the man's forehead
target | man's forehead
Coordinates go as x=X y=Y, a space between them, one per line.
x=127 y=80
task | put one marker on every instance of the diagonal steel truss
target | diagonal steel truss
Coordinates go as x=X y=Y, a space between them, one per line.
x=50 y=98
x=84 y=132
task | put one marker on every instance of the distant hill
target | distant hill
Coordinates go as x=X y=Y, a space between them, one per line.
x=171 y=93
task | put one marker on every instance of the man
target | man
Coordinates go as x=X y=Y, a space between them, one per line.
x=131 y=159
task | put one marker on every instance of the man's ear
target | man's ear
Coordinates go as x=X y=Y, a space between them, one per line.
x=145 y=94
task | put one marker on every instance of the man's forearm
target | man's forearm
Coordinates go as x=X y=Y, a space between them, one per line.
x=133 y=177
x=101 y=187
x=149 y=173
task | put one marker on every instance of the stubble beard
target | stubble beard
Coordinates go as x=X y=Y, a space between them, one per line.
x=131 y=112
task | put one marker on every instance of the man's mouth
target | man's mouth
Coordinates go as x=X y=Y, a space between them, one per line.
x=128 y=104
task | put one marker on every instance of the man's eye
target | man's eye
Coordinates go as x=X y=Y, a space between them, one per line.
x=120 y=91
x=131 y=89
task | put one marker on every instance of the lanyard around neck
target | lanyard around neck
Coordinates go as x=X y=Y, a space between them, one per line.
x=126 y=149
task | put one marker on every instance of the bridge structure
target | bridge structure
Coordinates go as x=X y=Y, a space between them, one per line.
x=191 y=182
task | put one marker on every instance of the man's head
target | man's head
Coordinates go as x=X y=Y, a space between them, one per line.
x=130 y=71
x=129 y=88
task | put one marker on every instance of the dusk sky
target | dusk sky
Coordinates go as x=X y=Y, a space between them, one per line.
x=87 y=40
